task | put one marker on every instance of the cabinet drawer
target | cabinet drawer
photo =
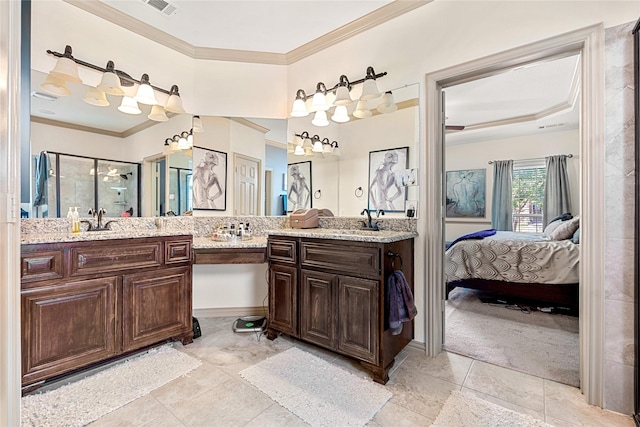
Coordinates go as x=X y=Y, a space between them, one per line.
x=177 y=251
x=281 y=250
x=43 y=265
x=101 y=259
x=352 y=259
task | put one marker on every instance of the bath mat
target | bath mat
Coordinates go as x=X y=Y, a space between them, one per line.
x=83 y=401
x=316 y=391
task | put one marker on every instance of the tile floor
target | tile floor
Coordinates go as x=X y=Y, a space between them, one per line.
x=215 y=395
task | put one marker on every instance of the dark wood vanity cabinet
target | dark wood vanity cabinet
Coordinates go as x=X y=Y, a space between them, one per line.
x=86 y=302
x=332 y=293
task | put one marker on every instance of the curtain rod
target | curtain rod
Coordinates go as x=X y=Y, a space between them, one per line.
x=535 y=158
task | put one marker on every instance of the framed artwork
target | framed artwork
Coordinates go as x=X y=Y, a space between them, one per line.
x=209 y=179
x=299 y=182
x=386 y=168
x=466 y=191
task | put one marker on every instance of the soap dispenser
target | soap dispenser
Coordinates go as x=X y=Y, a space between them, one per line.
x=76 y=220
x=70 y=220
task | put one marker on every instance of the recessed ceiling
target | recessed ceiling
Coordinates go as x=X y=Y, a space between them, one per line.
x=261 y=26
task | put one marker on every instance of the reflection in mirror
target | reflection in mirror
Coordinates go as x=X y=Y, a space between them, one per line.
x=180 y=181
x=344 y=181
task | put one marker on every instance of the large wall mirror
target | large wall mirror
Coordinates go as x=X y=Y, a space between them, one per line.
x=68 y=125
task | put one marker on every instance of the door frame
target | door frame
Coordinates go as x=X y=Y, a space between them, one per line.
x=589 y=42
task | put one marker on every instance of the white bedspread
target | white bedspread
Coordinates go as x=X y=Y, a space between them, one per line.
x=514 y=257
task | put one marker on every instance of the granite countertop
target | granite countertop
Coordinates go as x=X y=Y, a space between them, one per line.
x=210 y=243
x=84 y=236
x=382 y=236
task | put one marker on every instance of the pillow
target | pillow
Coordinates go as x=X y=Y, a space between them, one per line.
x=576 y=236
x=565 y=230
x=564 y=217
x=550 y=228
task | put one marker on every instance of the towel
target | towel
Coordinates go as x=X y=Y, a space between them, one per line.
x=477 y=235
x=400 y=300
x=42 y=175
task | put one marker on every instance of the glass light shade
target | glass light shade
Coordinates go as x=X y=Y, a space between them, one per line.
x=340 y=115
x=129 y=106
x=298 y=141
x=196 y=124
x=317 y=147
x=336 y=151
x=174 y=145
x=55 y=86
x=96 y=97
x=157 y=114
x=174 y=104
x=362 y=111
x=190 y=140
x=343 y=97
x=183 y=144
x=319 y=102
x=110 y=83
x=387 y=105
x=298 y=151
x=326 y=148
x=308 y=152
x=299 y=109
x=290 y=148
x=145 y=95
x=67 y=70
x=369 y=90
x=320 y=119
x=307 y=143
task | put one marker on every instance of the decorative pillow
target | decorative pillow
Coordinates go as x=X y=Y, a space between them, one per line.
x=565 y=230
x=550 y=228
x=576 y=236
x=564 y=217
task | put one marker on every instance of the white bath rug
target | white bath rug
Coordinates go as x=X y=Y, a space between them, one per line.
x=317 y=391
x=466 y=410
x=83 y=401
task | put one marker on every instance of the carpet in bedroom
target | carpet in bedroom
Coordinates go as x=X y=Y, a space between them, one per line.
x=537 y=343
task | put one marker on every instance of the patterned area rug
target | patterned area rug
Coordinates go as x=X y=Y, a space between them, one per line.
x=86 y=400
x=317 y=391
x=466 y=410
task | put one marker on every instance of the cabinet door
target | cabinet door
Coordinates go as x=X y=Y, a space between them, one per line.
x=358 y=314
x=317 y=308
x=283 y=299
x=156 y=306
x=67 y=326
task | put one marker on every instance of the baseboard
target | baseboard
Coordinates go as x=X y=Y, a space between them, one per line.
x=230 y=312
x=417 y=345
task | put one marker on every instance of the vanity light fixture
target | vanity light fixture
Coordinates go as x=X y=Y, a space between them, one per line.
x=310 y=146
x=317 y=144
x=96 y=97
x=388 y=105
x=196 y=124
x=112 y=81
x=299 y=151
x=157 y=114
x=341 y=94
x=181 y=141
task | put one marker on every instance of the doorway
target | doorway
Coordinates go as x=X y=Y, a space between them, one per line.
x=523 y=114
x=588 y=42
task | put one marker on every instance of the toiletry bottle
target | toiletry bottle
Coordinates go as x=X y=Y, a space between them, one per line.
x=247 y=232
x=76 y=220
x=232 y=232
x=240 y=231
x=70 y=220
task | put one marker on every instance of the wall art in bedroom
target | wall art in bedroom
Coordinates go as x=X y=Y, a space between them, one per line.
x=466 y=190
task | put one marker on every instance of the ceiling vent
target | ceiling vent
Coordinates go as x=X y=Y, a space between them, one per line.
x=161 y=6
x=555 y=125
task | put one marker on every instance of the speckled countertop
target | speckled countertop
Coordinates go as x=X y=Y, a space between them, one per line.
x=84 y=236
x=382 y=236
x=209 y=243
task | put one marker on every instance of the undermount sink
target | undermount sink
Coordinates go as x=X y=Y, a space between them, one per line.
x=363 y=231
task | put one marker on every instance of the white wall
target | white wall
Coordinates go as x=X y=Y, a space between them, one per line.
x=229 y=286
x=80 y=143
x=477 y=155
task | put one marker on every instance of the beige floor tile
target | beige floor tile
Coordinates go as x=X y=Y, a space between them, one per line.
x=195 y=383
x=450 y=367
x=500 y=402
x=511 y=386
x=232 y=403
x=167 y=420
x=419 y=392
x=276 y=416
x=397 y=416
x=567 y=403
x=556 y=422
x=141 y=411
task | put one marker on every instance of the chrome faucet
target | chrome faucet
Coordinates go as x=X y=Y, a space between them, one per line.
x=368 y=224
x=98 y=214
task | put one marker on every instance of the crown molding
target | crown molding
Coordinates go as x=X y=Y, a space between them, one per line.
x=124 y=134
x=377 y=17
x=249 y=124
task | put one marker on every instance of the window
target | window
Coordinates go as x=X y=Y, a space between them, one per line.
x=528 y=196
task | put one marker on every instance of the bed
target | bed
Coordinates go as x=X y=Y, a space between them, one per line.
x=520 y=265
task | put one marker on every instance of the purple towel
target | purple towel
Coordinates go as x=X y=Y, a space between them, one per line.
x=477 y=235
x=400 y=298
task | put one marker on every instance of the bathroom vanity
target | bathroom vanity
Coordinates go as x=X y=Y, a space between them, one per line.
x=100 y=296
x=329 y=289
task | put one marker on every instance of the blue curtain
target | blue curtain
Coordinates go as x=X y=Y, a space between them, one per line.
x=502 y=199
x=557 y=197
